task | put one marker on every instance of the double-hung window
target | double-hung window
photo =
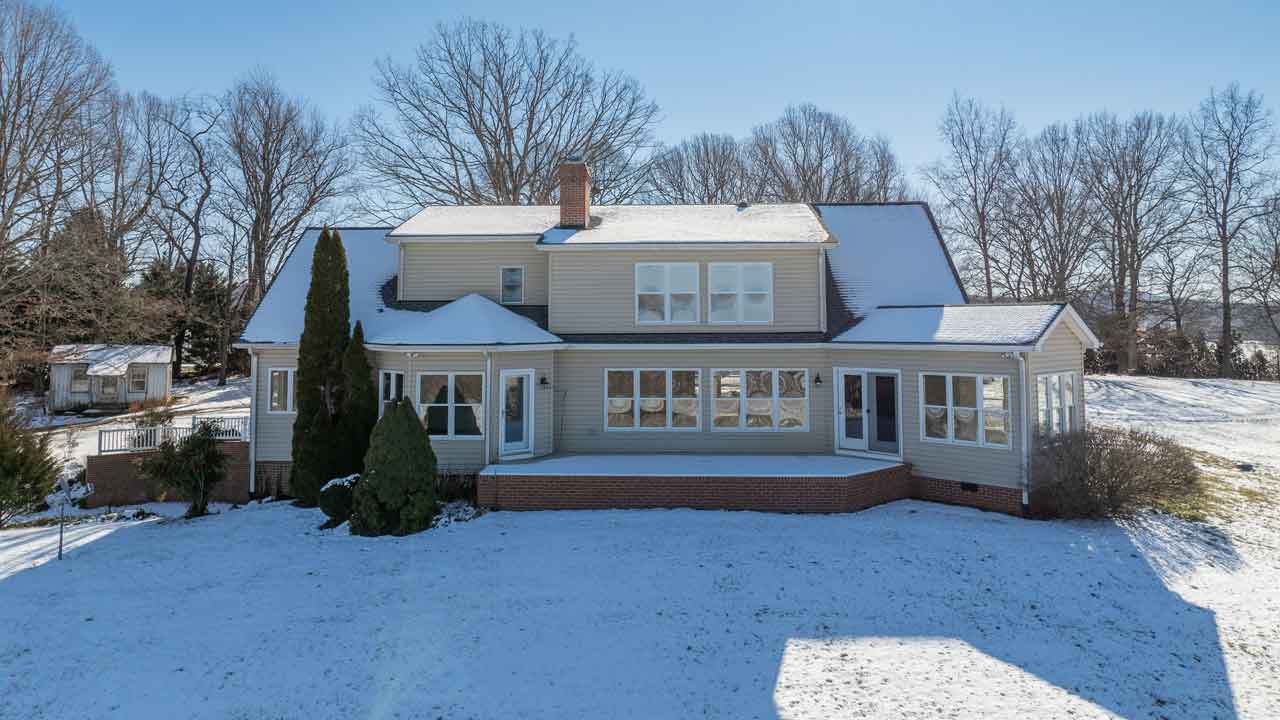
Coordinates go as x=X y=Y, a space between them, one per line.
x=137 y=378
x=511 y=284
x=80 y=378
x=666 y=293
x=965 y=409
x=740 y=293
x=390 y=389
x=760 y=399
x=643 y=399
x=1057 y=406
x=280 y=390
x=451 y=404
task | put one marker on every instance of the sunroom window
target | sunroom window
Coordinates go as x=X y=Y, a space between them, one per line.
x=1057 y=403
x=647 y=399
x=761 y=399
x=964 y=409
x=666 y=293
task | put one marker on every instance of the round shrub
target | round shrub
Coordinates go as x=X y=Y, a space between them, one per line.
x=1106 y=472
x=336 y=497
x=396 y=494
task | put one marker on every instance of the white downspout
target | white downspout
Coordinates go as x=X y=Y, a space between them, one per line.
x=490 y=402
x=1025 y=396
x=253 y=423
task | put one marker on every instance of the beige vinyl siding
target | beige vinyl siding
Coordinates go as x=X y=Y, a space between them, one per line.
x=965 y=463
x=455 y=453
x=594 y=291
x=449 y=270
x=1063 y=352
x=579 y=402
x=274 y=432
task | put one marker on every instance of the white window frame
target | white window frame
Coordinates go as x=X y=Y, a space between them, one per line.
x=452 y=403
x=524 y=275
x=775 y=388
x=291 y=407
x=87 y=382
x=145 y=375
x=636 y=397
x=1060 y=420
x=740 y=292
x=950 y=439
x=666 y=293
x=382 y=384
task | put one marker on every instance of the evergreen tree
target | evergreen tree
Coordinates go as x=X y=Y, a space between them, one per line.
x=326 y=322
x=28 y=468
x=397 y=493
x=359 y=411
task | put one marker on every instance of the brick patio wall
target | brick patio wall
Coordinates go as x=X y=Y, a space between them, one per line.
x=765 y=494
x=117 y=480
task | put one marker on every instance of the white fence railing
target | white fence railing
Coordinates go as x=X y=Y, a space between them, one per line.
x=150 y=438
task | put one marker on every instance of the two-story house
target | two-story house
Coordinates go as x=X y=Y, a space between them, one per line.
x=791 y=357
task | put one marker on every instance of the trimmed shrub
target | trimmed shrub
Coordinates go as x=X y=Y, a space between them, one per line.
x=396 y=494
x=1109 y=472
x=190 y=467
x=335 y=499
x=28 y=469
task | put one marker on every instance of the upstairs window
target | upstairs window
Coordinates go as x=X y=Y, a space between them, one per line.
x=511 y=280
x=740 y=292
x=965 y=409
x=666 y=293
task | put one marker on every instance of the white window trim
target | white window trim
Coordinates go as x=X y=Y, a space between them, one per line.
x=452 y=404
x=292 y=408
x=382 y=380
x=524 y=275
x=635 y=400
x=981 y=410
x=742 y=400
x=666 y=293
x=88 y=383
x=146 y=375
x=1058 y=404
x=741 y=293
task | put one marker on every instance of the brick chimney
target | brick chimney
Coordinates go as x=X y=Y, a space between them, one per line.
x=575 y=193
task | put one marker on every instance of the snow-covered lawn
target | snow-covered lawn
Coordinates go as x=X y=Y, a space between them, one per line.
x=907 y=610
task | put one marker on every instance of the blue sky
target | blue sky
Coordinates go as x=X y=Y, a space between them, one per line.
x=888 y=66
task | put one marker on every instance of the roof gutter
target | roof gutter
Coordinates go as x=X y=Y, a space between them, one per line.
x=957 y=347
x=536 y=347
x=686 y=244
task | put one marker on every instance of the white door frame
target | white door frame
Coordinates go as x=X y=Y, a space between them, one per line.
x=525 y=447
x=837 y=388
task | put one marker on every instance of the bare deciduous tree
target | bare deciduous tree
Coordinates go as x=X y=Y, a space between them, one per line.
x=704 y=169
x=980 y=144
x=484 y=115
x=287 y=167
x=1227 y=156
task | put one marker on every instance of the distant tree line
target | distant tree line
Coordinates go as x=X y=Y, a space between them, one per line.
x=126 y=217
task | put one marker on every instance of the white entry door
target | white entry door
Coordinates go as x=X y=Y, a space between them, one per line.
x=517 y=411
x=851 y=409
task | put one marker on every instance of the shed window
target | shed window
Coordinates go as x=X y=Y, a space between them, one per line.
x=80 y=378
x=137 y=378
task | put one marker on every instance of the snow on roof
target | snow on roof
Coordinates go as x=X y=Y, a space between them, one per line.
x=370 y=264
x=110 y=360
x=780 y=223
x=454 y=220
x=999 y=325
x=888 y=254
x=786 y=223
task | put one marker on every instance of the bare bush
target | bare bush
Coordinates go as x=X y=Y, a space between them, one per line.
x=1108 y=472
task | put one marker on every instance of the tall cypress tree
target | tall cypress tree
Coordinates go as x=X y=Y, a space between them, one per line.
x=319 y=375
x=359 y=403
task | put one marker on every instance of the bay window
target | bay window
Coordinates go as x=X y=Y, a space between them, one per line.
x=645 y=399
x=740 y=293
x=666 y=293
x=451 y=404
x=760 y=399
x=964 y=409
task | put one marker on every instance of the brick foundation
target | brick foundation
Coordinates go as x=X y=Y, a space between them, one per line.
x=117 y=480
x=766 y=494
x=272 y=478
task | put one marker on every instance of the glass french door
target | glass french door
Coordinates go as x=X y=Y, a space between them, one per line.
x=517 y=411
x=867 y=410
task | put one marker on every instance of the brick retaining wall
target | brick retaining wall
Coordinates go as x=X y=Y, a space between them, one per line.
x=116 y=478
x=765 y=494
